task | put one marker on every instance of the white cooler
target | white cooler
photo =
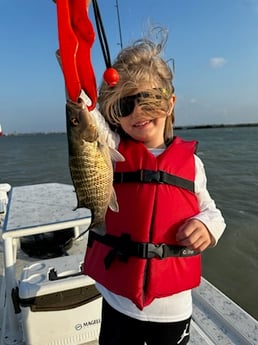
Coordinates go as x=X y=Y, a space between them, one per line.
x=59 y=304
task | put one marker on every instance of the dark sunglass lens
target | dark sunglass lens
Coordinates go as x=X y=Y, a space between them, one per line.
x=126 y=105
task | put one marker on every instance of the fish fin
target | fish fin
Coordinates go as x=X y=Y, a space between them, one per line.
x=115 y=155
x=113 y=205
x=107 y=151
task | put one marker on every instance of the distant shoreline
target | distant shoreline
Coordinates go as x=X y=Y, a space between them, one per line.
x=217 y=126
x=176 y=128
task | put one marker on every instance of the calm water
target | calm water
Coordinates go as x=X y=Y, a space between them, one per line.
x=231 y=161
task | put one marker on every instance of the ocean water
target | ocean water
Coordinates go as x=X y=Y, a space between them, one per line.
x=231 y=161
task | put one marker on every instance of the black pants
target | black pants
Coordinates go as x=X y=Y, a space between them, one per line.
x=120 y=329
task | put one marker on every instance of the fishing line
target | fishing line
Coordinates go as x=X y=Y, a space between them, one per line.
x=101 y=34
x=111 y=76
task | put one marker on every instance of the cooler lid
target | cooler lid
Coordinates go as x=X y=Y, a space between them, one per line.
x=62 y=300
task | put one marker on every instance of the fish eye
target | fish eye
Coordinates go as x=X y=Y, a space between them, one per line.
x=74 y=121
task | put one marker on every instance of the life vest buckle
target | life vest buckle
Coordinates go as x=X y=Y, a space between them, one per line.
x=163 y=251
x=151 y=176
x=155 y=250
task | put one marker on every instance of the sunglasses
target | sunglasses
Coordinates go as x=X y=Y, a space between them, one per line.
x=127 y=104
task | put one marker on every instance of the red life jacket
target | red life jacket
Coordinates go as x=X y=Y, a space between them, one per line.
x=151 y=209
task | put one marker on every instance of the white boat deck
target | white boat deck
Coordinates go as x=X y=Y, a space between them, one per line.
x=218 y=320
x=49 y=207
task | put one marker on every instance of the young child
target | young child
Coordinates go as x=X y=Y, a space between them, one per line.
x=149 y=260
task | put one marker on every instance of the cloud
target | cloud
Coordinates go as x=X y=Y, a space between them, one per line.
x=217 y=62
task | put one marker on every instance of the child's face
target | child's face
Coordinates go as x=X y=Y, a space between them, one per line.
x=142 y=127
x=147 y=130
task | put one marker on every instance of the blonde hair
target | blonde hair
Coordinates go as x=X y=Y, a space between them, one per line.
x=140 y=64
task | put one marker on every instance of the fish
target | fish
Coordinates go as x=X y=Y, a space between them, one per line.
x=91 y=164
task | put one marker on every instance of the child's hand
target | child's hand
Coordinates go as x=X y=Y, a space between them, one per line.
x=194 y=235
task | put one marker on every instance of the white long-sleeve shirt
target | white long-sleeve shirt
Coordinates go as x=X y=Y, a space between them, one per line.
x=177 y=307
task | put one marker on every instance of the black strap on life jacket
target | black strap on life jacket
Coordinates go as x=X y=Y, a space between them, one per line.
x=152 y=176
x=124 y=247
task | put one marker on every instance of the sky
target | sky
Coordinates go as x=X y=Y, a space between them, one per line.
x=213 y=44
